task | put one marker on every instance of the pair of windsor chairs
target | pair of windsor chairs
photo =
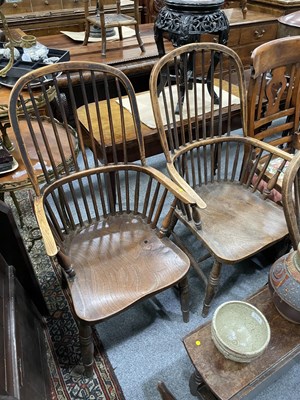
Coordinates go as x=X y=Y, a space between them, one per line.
x=108 y=222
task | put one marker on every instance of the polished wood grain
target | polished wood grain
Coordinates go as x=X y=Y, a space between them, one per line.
x=238 y=219
x=274 y=7
x=91 y=123
x=106 y=222
x=228 y=380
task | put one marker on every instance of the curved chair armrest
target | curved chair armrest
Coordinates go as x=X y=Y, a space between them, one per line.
x=184 y=194
x=185 y=186
x=49 y=241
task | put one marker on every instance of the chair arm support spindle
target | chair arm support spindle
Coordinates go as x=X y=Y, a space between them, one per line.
x=196 y=216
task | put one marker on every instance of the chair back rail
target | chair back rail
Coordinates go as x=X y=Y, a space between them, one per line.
x=197 y=91
x=83 y=106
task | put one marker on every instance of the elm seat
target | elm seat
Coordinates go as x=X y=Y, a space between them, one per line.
x=117 y=250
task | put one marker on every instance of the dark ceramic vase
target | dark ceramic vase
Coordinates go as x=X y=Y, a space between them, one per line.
x=284 y=284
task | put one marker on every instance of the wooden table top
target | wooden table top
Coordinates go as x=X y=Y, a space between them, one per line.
x=18 y=178
x=231 y=380
x=126 y=55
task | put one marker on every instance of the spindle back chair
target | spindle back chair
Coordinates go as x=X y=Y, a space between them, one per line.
x=237 y=218
x=83 y=100
x=198 y=91
x=106 y=225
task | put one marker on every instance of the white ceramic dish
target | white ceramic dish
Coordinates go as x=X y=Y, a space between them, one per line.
x=240 y=331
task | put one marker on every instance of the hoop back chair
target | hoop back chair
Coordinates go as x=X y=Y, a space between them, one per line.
x=106 y=223
x=216 y=168
x=108 y=20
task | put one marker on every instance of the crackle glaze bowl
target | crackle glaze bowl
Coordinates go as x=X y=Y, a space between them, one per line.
x=240 y=331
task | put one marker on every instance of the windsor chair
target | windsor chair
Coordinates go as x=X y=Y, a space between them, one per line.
x=217 y=168
x=106 y=223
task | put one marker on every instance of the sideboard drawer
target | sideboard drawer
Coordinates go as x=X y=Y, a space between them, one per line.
x=16 y=7
x=233 y=38
x=259 y=33
x=46 y=5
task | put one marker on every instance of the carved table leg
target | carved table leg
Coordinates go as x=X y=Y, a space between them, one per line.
x=223 y=39
x=159 y=40
x=199 y=388
x=196 y=381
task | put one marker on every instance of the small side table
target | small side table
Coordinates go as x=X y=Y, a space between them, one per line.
x=185 y=20
x=215 y=377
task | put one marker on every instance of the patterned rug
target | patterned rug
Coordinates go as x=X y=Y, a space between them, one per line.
x=62 y=338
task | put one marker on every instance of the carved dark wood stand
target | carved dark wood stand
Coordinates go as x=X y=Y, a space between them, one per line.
x=184 y=21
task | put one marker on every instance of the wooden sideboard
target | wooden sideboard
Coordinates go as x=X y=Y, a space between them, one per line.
x=274 y=7
x=244 y=36
x=48 y=17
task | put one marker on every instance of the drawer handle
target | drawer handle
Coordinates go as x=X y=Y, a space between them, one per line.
x=15 y=5
x=260 y=34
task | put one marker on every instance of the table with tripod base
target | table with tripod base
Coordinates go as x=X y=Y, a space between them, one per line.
x=215 y=377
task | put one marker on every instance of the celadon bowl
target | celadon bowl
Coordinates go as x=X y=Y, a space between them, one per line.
x=240 y=331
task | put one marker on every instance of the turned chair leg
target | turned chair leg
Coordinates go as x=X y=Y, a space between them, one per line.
x=165 y=392
x=87 y=348
x=87 y=34
x=212 y=286
x=139 y=39
x=184 y=299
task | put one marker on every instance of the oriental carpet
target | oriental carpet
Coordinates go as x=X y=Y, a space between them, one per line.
x=62 y=340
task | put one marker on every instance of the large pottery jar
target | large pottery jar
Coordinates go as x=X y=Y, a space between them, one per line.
x=284 y=284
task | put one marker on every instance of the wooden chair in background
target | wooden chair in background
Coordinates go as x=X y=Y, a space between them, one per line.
x=274 y=93
x=108 y=20
x=106 y=224
x=237 y=219
x=274 y=100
